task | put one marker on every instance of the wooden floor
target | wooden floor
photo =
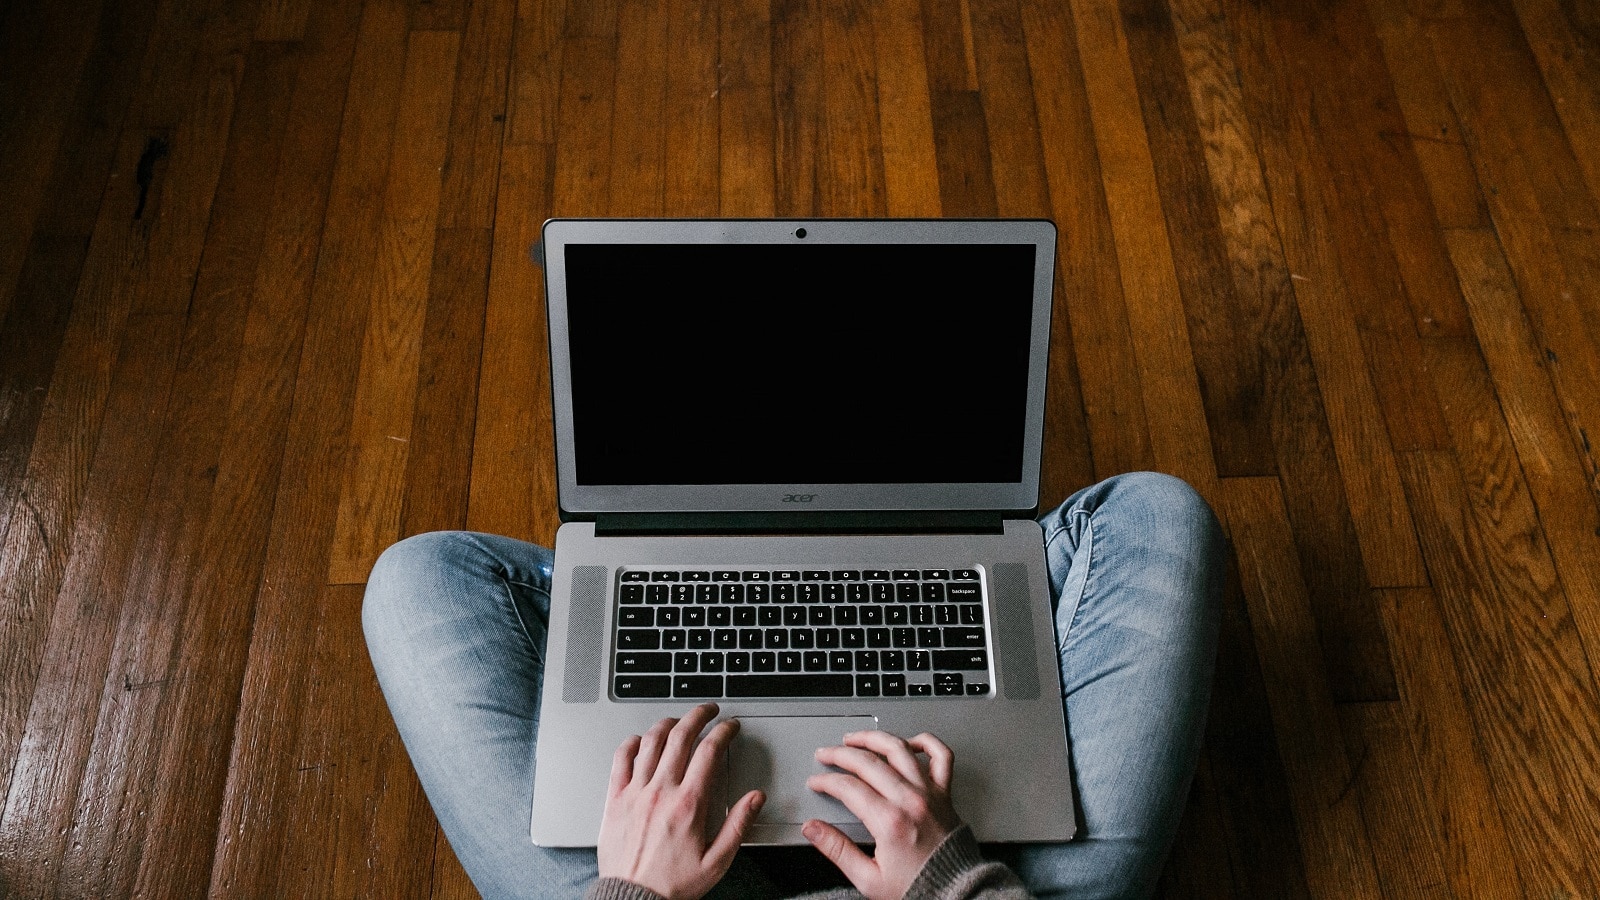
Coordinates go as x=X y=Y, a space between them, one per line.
x=267 y=306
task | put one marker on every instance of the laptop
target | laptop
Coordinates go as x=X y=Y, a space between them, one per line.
x=798 y=464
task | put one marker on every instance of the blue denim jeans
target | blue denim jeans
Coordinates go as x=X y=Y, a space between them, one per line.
x=455 y=623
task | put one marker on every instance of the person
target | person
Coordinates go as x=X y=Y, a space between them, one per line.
x=455 y=625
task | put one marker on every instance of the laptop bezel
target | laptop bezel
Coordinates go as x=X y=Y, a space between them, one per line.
x=587 y=501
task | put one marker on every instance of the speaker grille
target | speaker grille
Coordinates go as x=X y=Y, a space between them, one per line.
x=585 y=635
x=1019 y=667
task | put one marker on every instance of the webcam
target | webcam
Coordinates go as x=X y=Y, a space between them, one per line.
x=800 y=232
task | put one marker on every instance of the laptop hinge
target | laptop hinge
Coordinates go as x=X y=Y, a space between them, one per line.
x=852 y=522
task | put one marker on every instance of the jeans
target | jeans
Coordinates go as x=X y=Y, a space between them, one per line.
x=455 y=623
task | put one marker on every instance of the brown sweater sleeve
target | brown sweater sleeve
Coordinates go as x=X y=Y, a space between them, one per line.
x=958 y=871
x=617 y=889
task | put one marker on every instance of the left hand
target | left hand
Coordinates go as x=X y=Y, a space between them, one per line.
x=653 y=832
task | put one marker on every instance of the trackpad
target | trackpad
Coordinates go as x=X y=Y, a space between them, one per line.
x=776 y=754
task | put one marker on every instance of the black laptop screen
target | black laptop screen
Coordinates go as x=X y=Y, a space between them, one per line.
x=799 y=364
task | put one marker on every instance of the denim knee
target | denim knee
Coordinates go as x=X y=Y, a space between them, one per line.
x=1181 y=541
x=410 y=571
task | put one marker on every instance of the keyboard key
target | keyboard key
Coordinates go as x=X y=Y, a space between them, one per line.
x=964 y=575
x=719 y=617
x=666 y=617
x=964 y=593
x=816 y=661
x=920 y=690
x=706 y=593
x=807 y=685
x=866 y=685
x=858 y=593
x=906 y=575
x=663 y=576
x=977 y=690
x=656 y=593
x=786 y=576
x=700 y=639
x=873 y=615
x=827 y=638
x=961 y=659
x=783 y=593
x=758 y=576
x=790 y=661
x=765 y=661
x=963 y=637
x=794 y=616
x=802 y=638
x=772 y=618
x=922 y=615
x=694 y=617
x=673 y=640
x=833 y=593
x=810 y=575
x=918 y=660
x=971 y=614
x=931 y=574
x=777 y=639
x=841 y=660
x=633 y=593
x=893 y=660
x=632 y=639
x=733 y=593
x=933 y=592
x=844 y=615
x=683 y=593
x=897 y=615
x=697 y=686
x=724 y=576
x=882 y=593
x=756 y=593
x=808 y=593
x=642 y=617
x=633 y=663
x=820 y=616
x=846 y=575
x=738 y=662
x=711 y=662
x=853 y=638
x=686 y=661
x=927 y=637
x=903 y=638
x=894 y=685
x=909 y=592
x=745 y=617
x=726 y=639
x=947 y=684
x=698 y=575
x=750 y=638
x=944 y=614
x=635 y=576
x=866 y=660
x=875 y=575
x=878 y=638
x=628 y=686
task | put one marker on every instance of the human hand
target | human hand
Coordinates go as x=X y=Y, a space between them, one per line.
x=904 y=803
x=653 y=832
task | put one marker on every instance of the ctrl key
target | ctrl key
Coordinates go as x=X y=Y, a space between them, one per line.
x=632 y=686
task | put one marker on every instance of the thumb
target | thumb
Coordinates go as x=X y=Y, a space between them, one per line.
x=842 y=852
x=721 y=852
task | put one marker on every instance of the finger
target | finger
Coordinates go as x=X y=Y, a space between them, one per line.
x=869 y=767
x=857 y=796
x=894 y=750
x=941 y=760
x=842 y=852
x=622 y=765
x=681 y=742
x=644 y=765
x=707 y=761
x=719 y=855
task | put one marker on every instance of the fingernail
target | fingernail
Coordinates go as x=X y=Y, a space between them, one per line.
x=810 y=830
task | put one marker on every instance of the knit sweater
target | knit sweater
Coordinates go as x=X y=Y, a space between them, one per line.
x=955 y=871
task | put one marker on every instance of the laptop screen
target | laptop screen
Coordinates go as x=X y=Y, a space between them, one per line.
x=752 y=365
x=799 y=364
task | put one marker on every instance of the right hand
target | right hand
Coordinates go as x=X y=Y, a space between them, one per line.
x=903 y=802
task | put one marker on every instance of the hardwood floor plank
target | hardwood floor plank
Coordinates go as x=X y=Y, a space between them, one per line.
x=1470 y=831
x=49 y=47
x=323 y=240
x=588 y=83
x=1564 y=43
x=477 y=117
x=692 y=110
x=1088 y=291
x=1333 y=836
x=72 y=654
x=1503 y=118
x=535 y=76
x=513 y=449
x=1569 y=510
x=282 y=20
x=1198 y=867
x=850 y=171
x=1511 y=636
x=1224 y=242
x=110 y=811
x=747 y=145
x=380 y=433
x=1181 y=446
x=797 y=106
x=638 y=123
x=905 y=117
x=1398 y=816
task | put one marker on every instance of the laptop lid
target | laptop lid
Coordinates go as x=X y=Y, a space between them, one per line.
x=775 y=366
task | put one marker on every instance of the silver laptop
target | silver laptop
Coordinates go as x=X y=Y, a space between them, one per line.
x=798 y=463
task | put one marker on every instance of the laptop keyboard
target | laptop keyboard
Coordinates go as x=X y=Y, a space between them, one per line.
x=780 y=633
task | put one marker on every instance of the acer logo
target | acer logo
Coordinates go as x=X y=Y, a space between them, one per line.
x=799 y=498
